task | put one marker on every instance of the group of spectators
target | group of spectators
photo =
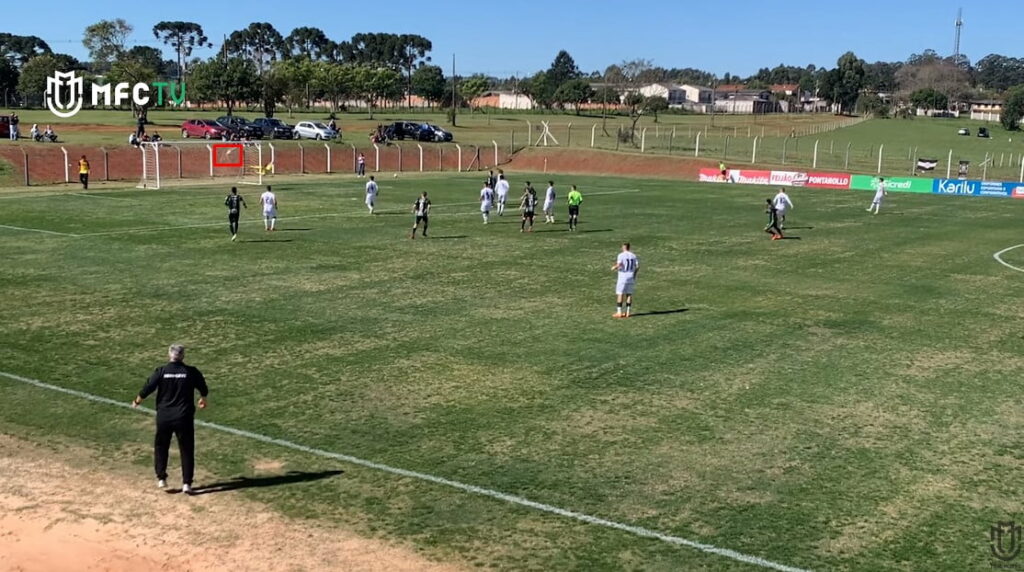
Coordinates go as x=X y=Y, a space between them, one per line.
x=47 y=135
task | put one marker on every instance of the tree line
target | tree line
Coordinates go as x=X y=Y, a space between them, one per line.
x=258 y=65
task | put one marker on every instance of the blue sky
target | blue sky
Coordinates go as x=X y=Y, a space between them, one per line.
x=506 y=38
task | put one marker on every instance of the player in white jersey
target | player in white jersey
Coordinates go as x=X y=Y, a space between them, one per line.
x=549 y=203
x=627 y=265
x=501 y=190
x=269 y=201
x=371 y=193
x=486 y=201
x=880 y=192
x=782 y=205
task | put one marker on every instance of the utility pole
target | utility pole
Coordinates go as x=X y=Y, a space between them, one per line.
x=454 y=100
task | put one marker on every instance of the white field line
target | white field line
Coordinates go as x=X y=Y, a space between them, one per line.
x=94 y=196
x=12 y=227
x=999 y=258
x=511 y=499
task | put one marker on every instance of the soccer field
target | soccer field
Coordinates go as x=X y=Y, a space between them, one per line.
x=844 y=399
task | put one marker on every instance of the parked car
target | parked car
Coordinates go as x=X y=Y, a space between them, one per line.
x=440 y=134
x=415 y=130
x=314 y=130
x=983 y=132
x=240 y=127
x=205 y=128
x=274 y=128
x=963 y=131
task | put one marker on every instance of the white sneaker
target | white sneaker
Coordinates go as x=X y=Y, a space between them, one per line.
x=161 y=484
x=187 y=489
x=233 y=237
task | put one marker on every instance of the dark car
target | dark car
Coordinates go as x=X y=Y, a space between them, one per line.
x=983 y=132
x=440 y=134
x=410 y=130
x=274 y=128
x=240 y=127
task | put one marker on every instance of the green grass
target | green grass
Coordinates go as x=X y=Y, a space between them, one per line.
x=842 y=401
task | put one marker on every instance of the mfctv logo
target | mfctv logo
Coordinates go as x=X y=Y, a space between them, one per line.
x=65 y=93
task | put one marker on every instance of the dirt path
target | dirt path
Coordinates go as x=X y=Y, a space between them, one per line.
x=55 y=515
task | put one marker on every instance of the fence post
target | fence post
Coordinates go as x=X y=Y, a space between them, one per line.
x=696 y=151
x=725 y=154
x=421 y=156
x=399 y=157
x=106 y=164
x=785 y=146
x=1001 y=160
x=1021 y=169
x=67 y=166
x=762 y=132
x=209 y=153
x=984 y=170
x=748 y=131
x=753 y=157
x=814 y=164
x=376 y=158
x=643 y=139
x=355 y=159
x=328 y=147
x=593 y=135
x=880 y=149
x=495 y=151
x=831 y=146
x=529 y=133
x=302 y=159
x=459 y=149
x=25 y=153
x=512 y=143
x=273 y=155
x=177 y=150
x=949 y=164
x=568 y=135
x=846 y=165
x=440 y=158
x=734 y=130
x=671 y=140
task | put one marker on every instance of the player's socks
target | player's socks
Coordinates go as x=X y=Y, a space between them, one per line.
x=629 y=308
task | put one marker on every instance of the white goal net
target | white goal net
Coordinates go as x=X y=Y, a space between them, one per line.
x=241 y=161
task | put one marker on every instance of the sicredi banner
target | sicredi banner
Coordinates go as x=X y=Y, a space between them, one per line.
x=895 y=184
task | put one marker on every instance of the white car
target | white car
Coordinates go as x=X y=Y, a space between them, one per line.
x=314 y=130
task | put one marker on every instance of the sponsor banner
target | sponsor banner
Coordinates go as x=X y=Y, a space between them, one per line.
x=828 y=180
x=1015 y=190
x=750 y=177
x=894 y=184
x=710 y=176
x=973 y=188
x=789 y=178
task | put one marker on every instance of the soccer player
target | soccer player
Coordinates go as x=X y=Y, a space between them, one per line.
x=880 y=192
x=269 y=202
x=371 y=193
x=549 y=203
x=232 y=201
x=782 y=204
x=528 y=204
x=574 y=200
x=491 y=179
x=773 y=220
x=486 y=201
x=501 y=190
x=421 y=208
x=83 y=172
x=627 y=265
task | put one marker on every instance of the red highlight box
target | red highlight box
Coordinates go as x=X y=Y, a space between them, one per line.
x=241 y=152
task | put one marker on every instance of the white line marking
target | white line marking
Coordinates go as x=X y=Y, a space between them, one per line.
x=999 y=259
x=12 y=227
x=512 y=499
x=92 y=196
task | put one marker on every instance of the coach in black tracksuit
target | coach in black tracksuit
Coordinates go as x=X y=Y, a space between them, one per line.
x=175 y=384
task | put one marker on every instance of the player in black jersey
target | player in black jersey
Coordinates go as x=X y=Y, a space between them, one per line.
x=421 y=208
x=773 y=220
x=528 y=204
x=232 y=202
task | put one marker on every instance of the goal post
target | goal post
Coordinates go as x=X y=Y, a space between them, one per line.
x=241 y=161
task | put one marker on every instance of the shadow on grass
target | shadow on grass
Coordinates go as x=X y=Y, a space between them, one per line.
x=294 y=230
x=660 y=312
x=798 y=228
x=239 y=483
x=449 y=237
x=268 y=240
x=598 y=230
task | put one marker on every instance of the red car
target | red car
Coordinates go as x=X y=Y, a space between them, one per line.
x=205 y=128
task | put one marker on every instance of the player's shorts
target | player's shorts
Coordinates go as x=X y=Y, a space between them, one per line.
x=574 y=210
x=370 y=199
x=625 y=286
x=233 y=216
x=502 y=198
x=877 y=201
x=548 y=205
x=485 y=207
x=270 y=213
x=528 y=214
x=422 y=218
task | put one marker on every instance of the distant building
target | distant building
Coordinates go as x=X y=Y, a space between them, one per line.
x=670 y=91
x=986 y=109
x=503 y=100
x=786 y=89
x=746 y=101
x=696 y=93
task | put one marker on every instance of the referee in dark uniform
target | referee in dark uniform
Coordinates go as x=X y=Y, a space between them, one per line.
x=175 y=384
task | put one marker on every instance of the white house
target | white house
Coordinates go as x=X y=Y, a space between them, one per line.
x=696 y=93
x=677 y=95
x=504 y=100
